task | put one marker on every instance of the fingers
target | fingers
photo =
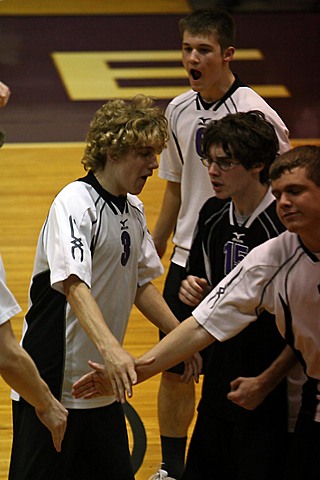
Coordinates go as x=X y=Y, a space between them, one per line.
x=187 y=298
x=106 y=380
x=54 y=417
x=187 y=373
x=144 y=363
x=93 y=384
x=193 y=367
x=122 y=386
x=58 y=436
x=197 y=358
x=235 y=394
x=192 y=290
x=194 y=370
x=188 y=295
x=244 y=392
x=96 y=366
x=57 y=440
x=122 y=380
x=235 y=384
x=83 y=386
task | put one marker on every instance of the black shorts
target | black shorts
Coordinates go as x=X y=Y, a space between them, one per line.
x=170 y=293
x=303 y=458
x=95 y=446
x=224 y=450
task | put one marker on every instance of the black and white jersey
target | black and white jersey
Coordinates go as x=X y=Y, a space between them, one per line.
x=219 y=245
x=180 y=162
x=217 y=230
x=104 y=241
x=8 y=304
x=282 y=277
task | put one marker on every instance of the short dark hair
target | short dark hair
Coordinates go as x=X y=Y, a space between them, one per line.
x=303 y=156
x=208 y=21
x=247 y=137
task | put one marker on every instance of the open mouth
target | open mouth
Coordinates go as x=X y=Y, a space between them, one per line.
x=216 y=184
x=195 y=74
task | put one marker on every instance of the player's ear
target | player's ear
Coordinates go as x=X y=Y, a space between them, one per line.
x=257 y=167
x=228 y=54
x=112 y=158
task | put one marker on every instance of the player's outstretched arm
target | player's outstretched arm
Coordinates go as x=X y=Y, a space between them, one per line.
x=152 y=304
x=19 y=371
x=119 y=364
x=250 y=392
x=185 y=340
x=96 y=383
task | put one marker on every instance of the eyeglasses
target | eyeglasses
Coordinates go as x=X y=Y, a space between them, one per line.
x=223 y=163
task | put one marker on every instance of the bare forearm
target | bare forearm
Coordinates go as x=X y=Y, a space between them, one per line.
x=118 y=362
x=167 y=217
x=185 y=340
x=89 y=315
x=22 y=375
x=19 y=371
x=278 y=370
x=151 y=303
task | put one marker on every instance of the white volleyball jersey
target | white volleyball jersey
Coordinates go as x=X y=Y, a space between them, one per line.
x=180 y=162
x=105 y=242
x=8 y=304
x=282 y=277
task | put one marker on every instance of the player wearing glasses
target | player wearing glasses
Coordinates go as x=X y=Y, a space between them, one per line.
x=238 y=151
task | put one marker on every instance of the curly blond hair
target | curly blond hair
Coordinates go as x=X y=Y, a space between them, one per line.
x=121 y=125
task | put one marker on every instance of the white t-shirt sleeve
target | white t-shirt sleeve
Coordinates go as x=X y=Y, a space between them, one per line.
x=237 y=300
x=8 y=304
x=149 y=265
x=67 y=237
x=170 y=162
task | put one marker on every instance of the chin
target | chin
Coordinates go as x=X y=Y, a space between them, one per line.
x=221 y=195
x=136 y=191
x=292 y=227
x=195 y=88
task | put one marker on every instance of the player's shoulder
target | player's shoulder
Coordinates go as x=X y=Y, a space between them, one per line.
x=135 y=202
x=73 y=188
x=276 y=251
x=213 y=205
x=248 y=99
x=213 y=209
x=76 y=197
x=182 y=100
